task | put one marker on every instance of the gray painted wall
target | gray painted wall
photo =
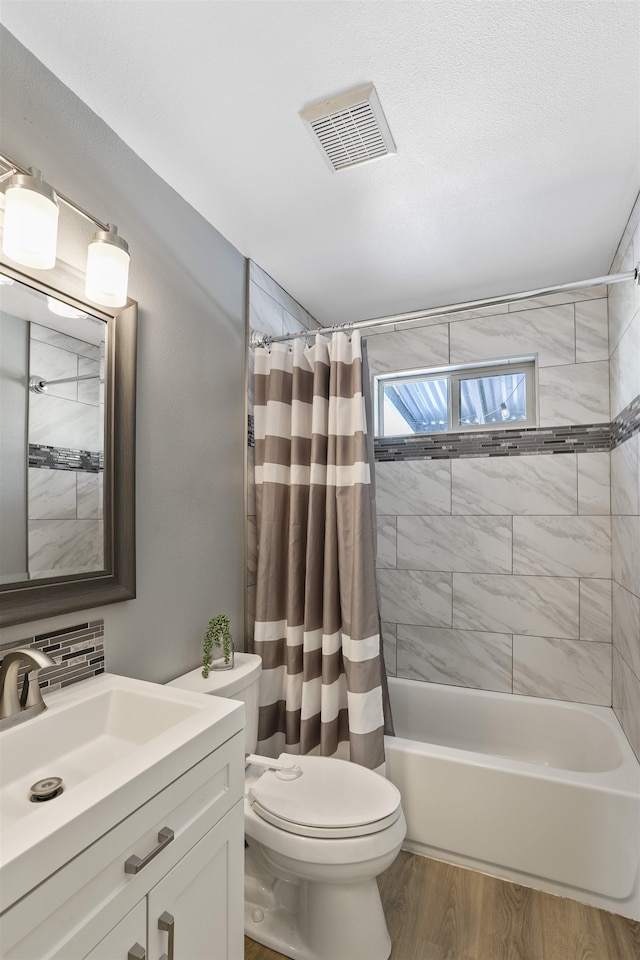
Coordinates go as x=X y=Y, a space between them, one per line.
x=190 y=285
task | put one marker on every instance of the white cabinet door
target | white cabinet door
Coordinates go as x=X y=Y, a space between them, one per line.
x=127 y=940
x=196 y=912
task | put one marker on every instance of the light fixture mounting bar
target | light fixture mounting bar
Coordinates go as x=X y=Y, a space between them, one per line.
x=14 y=167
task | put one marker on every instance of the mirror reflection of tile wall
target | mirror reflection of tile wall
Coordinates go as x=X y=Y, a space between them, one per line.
x=65 y=484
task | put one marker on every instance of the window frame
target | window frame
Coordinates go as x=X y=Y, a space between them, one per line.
x=454 y=374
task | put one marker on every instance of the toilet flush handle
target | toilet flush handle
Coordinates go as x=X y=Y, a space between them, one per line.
x=285 y=769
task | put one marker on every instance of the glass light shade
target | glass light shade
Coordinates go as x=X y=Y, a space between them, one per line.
x=62 y=309
x=107 y=269
x=30 y=222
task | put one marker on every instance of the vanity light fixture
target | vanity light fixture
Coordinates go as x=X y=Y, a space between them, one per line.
x=30 y=221
x=31 y=228
x=108 y=268
x=62 y=309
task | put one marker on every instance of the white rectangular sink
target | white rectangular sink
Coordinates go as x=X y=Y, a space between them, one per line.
x=115 y=742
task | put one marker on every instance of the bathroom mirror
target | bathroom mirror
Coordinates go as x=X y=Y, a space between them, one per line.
x=67 y=451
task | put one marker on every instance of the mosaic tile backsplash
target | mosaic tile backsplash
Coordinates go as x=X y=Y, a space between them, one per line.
x=78 y=652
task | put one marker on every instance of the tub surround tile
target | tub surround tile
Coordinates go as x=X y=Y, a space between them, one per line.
x=626 y=424
x=548 y=332
x=90 y=391
x=90 y=498
x=389 y=648
x=592 y=331
x=629 y=235
x=622 y=305
x=296 y=317
x=568 y=296
x=64 y=545
x=626 y=626
x=537 y=606
x=595 y=610
x=265 y=313
x=53 y=363
x=413 y=487
x=386 y=555
x=522 y=485
x=461 y=657
x=446 y=317
x=562 y=669
x=410 y=350
x=574 y=394
x=625 y=552
x=625 y=477
x=61 y=458
x=52 y=494
x=594 y=484
x=511 y=443
x=464 y=544
x=64 y=423
x=64 y=342
x=626 y=700
x=625 y=368
x=268 y=285
x=562 y=546
x=415 y=597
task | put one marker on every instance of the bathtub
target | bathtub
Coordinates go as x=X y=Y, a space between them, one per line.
x=541 y=792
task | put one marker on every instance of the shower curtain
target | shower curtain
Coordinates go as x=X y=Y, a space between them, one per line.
x=317 y=622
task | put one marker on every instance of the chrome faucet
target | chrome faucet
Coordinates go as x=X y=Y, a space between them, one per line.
x=14 y=707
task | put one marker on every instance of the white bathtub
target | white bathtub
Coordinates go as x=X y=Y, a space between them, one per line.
x=541 y=792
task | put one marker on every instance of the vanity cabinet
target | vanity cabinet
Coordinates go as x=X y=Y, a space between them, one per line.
x=184 y=903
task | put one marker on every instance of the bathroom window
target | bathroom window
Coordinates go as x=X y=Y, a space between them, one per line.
x=472 y=397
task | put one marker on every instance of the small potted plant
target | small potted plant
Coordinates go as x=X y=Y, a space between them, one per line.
x=217 y=649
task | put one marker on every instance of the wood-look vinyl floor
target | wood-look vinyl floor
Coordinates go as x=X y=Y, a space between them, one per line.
x=436 y=911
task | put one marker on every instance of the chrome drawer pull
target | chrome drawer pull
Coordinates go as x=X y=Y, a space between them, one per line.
x=136 y=953
x=166 y=922
x=136 y=864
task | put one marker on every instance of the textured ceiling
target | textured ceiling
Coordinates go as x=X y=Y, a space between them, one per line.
x=517 y=126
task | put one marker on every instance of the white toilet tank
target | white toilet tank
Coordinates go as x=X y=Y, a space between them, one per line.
x=239 y=683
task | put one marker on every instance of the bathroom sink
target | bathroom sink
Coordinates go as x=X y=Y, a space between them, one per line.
x=114 y=742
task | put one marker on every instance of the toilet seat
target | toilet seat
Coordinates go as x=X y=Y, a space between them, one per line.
x=331 y=799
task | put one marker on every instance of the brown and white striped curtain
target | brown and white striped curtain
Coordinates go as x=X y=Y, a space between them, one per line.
x=317 y=621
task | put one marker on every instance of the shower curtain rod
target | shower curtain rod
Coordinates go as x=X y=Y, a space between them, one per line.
x=258 y=339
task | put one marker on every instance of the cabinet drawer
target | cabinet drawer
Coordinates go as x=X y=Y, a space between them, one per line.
x=94 y=884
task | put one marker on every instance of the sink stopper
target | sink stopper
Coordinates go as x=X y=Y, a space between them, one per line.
x=46 y=789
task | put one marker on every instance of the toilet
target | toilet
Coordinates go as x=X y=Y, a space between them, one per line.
x=319 y=831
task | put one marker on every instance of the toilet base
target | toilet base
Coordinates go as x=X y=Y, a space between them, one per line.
x=306 y=920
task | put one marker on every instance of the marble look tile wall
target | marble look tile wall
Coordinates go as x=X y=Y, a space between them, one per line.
x=566 y=332
x=65 y=530
x=624 y=342
x=270 y=310
x=494 y=572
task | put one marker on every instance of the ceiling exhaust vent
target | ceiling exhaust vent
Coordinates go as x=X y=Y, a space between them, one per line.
x=350 y=129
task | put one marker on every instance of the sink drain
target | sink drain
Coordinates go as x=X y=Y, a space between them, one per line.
x=46 y=789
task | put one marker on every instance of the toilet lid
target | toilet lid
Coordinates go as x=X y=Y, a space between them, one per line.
x=331 y=798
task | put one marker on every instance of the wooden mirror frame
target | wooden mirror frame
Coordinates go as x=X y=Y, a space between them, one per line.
x=37 y=599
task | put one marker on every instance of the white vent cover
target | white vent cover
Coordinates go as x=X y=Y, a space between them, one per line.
x=350 y=129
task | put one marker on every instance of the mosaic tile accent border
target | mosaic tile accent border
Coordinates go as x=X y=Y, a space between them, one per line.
x=251 y=430
x=587 y=438
x=78 y=652
x=626 y=424
x=61 y=458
